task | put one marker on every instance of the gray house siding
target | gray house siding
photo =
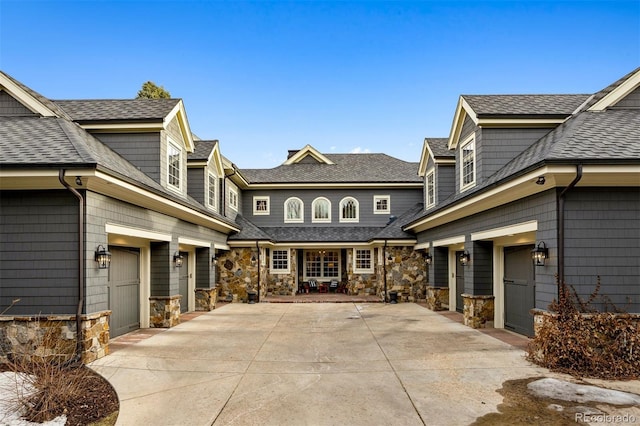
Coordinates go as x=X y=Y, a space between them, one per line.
x=10 y=107
x=445 y=182
x=39 y=225
x=632 y=100
x=469 y=128
x=196 y=177
x=602 y=238
x=540 y=207
x=499 y=146
x=400 y=201
x=140 y=149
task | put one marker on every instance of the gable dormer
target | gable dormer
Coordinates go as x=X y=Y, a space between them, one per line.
x=205 y=171
x=152 y=134
x=307 y=155
x=437 y=167
x=488 y=131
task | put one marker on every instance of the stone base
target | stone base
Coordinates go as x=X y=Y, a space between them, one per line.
x=206 y=299
x=54 y=336
x=164 y=311
x=438 y=298
x=478 y=310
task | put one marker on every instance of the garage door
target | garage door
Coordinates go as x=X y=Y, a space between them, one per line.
x=124 y=290
x=519 y=289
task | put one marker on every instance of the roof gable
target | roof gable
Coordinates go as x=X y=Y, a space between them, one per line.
x=206 y=153
x=617 y=91
x=30 y=99
x=437 y=149
x=307 y=151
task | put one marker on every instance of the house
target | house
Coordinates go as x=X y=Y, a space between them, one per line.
x=322 y=218
x=105 y=225
x=553 y=176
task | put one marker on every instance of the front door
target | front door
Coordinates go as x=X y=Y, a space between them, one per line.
x=123 y=289
x=184 y=283
x=459 y=283
x=519 y=289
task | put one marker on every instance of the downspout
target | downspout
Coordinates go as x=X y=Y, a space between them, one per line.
x=384 y=269
x=561 y=225
x=258 y=249
x=79 y=337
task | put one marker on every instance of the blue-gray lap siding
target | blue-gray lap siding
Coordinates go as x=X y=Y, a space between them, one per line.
x=10 y=107
x=632 y=100
x=39 y=252
x=401 y=200
x=196 y=184
x=143 y=150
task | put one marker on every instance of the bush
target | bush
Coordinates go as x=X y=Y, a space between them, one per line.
x=577 y=340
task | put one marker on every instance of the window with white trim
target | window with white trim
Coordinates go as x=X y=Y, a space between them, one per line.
x=174 y=165
x=293 y=210
x=468 y=164
x=280 y=261
x=362 y=260
x=321 y=208
x=261 y=205
x=212 y=191
x=430 y=193
x=381 y=204
x=349 y=210
x=233 y=199
x=322 y=264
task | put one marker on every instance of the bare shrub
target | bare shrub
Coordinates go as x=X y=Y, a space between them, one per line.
x=578 y=340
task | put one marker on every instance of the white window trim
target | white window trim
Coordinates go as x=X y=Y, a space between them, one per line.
x=213 y=206
x=431 y=173
x=375 y=204
x=280 y=271
x=369 y=270
x=257 y=212
x=313 y=211
x=350 y=220
x=233 y=206
x=323 y=277
x=469 y=140
x=172 y=144
x=288 y=220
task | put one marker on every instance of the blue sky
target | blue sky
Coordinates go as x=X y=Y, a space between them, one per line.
x=366 y=76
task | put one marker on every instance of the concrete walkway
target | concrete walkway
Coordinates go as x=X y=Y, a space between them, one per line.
x=313 y=364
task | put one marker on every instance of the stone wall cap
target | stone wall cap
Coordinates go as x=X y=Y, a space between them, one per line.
x=175 y=296
x=478 y=296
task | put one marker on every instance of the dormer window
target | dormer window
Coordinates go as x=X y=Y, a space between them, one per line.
x=349 y=210
x=212 y=199
x=430 y=193
x=174 y=164
x=468 y=164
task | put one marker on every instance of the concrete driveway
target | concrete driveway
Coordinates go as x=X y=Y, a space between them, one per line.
x=313 y=364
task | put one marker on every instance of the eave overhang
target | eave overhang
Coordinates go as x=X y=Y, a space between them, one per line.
x=593 y=175
x=333 y=185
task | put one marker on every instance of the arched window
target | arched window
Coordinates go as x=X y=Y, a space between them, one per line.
x=321 y=208
x=293 y=210
x=349 y=210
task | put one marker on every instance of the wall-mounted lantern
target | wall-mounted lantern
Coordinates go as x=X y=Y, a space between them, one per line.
x=465 y=258
x=178 y=260
x=428 y=258
x=540 y=254
x=253 y=260
x=103 y=257
x=214 y=260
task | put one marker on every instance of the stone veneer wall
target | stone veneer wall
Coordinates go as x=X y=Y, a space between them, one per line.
x=406 y=274
x=478 y=310
x=282 y=284
x=206 y=299
x=237 y=275
x=438 y=298
x=164 y=311
x=55 y=336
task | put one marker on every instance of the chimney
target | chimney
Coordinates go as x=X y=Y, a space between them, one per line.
x=292 y=152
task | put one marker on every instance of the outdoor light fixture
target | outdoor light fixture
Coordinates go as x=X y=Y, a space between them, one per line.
x=465 y=258
x=177 y=260
x=214 y=260
x=541 y=180
x=253 y=260
x=78 y=181
x=540 y=254
x=428 y=258
x=103 y=257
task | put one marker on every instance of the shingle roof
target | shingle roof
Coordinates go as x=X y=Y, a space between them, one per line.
x=440 y=147
x=202 y=150
x=326 y=234
x=43 y=100
x=394 y=229
x=524 y=105
x=249 y=231
x=92 y=110
x=348 y=168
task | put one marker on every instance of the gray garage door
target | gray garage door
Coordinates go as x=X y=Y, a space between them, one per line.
x=519 y=289
x=124 y=290
x=184 y=283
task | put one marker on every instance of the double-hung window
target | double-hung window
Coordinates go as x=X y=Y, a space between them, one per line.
x=362 y=261
x=233 y=199
x=280 y=261
x=174 y=165
x=212 y=192
x=468 y=164
x=431 y=189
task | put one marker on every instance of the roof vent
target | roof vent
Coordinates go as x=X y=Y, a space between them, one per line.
x=391 y=220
